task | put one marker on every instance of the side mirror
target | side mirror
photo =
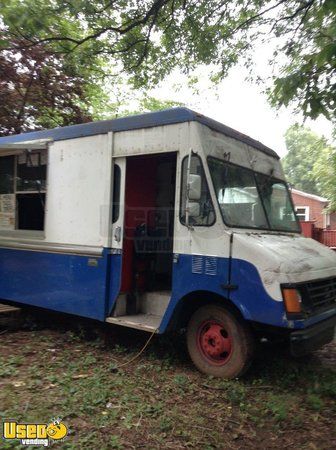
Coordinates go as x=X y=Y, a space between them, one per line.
x=195 y=187
x=194 y=209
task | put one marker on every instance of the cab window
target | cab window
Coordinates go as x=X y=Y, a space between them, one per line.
x=205 y=215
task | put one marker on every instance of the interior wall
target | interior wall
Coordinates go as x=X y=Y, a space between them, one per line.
x=140 y=199
x=165 y=202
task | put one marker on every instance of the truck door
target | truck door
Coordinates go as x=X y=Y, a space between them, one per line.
x=200 y=234
x=117 y=230
x=118 y=203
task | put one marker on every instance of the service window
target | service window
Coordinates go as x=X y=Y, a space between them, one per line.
x=23 y=190
x=206 y=215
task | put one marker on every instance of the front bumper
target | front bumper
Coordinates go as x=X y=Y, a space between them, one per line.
x=312 y=338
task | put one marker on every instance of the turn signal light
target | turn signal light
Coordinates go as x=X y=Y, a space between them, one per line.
x=292 y=300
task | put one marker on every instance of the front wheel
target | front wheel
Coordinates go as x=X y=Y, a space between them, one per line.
x=219 y=344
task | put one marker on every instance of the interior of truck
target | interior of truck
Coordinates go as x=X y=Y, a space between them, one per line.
x=148 y=237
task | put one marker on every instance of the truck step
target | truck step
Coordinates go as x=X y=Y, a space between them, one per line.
x=145 y=322
x=7 y=308
x=155 y=303
x=149 y=303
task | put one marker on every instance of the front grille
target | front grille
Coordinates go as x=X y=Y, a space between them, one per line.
x=318 y=296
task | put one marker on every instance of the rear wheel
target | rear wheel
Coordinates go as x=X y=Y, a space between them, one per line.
x=219 y=344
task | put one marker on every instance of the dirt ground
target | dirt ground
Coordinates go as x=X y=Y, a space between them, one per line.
x=56 y=366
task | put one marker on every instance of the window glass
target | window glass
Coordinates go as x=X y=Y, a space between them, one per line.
x=31 y=172
x=30 y=212
x=23 y=190
x=7 y=175
x=252 y=200
x=206 y=216
x=277 y=202
x=237 y=194
x=116 y=193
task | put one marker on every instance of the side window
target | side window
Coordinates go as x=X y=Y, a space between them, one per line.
x=116 y=193
x=7 y=175
x=206 y=216
x=22 y=191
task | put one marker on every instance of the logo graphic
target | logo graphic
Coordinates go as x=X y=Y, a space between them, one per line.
x=35 y=433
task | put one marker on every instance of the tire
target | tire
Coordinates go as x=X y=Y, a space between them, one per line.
x=219 y=344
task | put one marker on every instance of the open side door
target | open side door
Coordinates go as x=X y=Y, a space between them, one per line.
x=116 y=237
x=118 y=203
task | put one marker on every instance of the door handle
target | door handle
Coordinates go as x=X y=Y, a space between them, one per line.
x=117 y=234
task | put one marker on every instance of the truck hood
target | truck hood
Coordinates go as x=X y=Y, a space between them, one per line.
x=282 y=258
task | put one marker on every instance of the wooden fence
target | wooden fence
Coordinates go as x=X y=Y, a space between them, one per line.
x=326 y=237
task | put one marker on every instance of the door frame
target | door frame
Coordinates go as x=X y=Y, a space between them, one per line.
x=117 y=229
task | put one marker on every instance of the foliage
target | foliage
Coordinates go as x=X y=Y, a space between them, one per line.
x=148 y=38
x=148 y=103
x=125 y=101
x=309 y=76
x=304 y=148
x=324 y=171
x=310 y=164
x=38 y=90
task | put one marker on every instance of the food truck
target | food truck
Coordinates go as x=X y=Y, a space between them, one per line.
x=163 y=221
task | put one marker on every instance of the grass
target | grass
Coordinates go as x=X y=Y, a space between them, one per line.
x=159 y=401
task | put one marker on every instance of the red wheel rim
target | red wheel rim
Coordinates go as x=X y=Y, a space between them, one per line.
x=214 y=342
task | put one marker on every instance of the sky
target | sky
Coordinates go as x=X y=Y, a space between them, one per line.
x=239 y=104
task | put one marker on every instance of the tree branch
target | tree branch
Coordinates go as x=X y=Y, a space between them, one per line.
x=256 y=16
x=153 y=11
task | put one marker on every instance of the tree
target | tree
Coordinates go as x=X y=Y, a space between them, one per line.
x=310 y=164
x=304 y=150
x=148 y=38
x=149 y=103
x=40 y=90
x=324 y=171
x=37 y=90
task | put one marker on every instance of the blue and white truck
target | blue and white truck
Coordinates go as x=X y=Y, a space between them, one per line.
x=163 y=221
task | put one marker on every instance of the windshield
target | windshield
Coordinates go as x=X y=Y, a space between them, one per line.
x=252 y=200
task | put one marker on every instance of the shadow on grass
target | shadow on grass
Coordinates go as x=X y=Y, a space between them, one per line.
x=272 y=364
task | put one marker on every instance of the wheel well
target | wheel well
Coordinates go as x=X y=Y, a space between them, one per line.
x=188 y=304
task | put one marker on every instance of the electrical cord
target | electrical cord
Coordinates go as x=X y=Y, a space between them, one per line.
x=138 y=354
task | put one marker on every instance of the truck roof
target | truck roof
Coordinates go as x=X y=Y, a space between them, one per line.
x=147 y=120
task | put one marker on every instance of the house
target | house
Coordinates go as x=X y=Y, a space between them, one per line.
x=313 y=208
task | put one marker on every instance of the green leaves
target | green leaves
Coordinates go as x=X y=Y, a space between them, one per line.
x=327 y=55
x=147 y=39
x=38 y=90
x=329 y=6
x=324 y=172
x=310 y=164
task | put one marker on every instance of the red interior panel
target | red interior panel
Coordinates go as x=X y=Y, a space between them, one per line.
x=140 y=198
